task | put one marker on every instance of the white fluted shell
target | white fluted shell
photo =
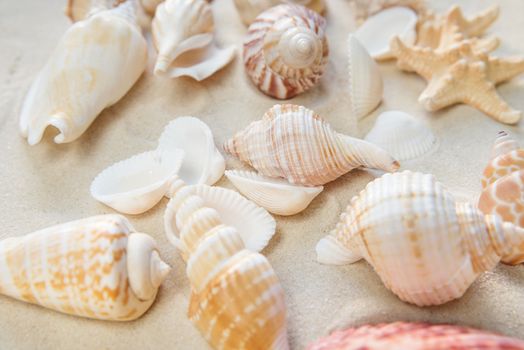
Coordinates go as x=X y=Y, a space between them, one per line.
x=402 y=135
x=203 y=163
x=378 y=30
x=365 y=81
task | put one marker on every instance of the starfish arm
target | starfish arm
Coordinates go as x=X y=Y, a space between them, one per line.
x=485 y=45
x=502 y=69
x=476 y=25
x=441 y=92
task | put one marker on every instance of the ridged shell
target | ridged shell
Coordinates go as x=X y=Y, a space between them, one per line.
x=402 y=223
x=414 y=336
x=276 y=195
x=250 y=9
x=286 y=50
x=365 y=81
x=294 y=143
x=97 y=267
x=402 y=135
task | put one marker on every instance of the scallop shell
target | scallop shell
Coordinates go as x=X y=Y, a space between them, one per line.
x=286 y=50
x=294 y=143
x=97 y=267
x=276 y=195
x=183 y=36
x=203 y=163
x=87 y=72
x=402 y=135
x=503 y=181
x=250 y=9
x=378 y=30
x=365 y=81
x=135 y=185
x=414 y=336
x=254 y=224
x=407 y=221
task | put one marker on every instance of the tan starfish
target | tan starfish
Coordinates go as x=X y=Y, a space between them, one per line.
x=461 y=74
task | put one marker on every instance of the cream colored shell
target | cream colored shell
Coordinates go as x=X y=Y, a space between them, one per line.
x=97 y=267
x=78 y=10
x=250 y=9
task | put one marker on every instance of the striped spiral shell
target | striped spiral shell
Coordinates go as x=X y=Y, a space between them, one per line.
x=286 y=50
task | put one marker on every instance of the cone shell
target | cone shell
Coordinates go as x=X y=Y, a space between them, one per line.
x=286 y=50
x=414 y=336
x=402 y=223
x=294 y=143
x=96 y=267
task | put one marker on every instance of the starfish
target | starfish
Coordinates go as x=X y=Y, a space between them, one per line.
x=461 y=74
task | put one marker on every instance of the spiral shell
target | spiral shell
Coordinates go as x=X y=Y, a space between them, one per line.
x=294 y=143
x=402 y=223
x=286 y=50
x=98 y=267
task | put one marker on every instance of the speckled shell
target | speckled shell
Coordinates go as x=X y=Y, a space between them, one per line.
x=286 y=50
x=503 y=181
x=294 y=143
x=97 y=267
x=414 y=336
x=403 y=223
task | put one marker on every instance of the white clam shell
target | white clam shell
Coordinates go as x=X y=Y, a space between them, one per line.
x=135 y=185
x=254 y=224
x=378 y=30
x=365 y=81
x=402 y=135
x=274 y=194
x=203 y=163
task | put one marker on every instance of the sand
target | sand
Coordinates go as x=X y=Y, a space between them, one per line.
x=48 y=184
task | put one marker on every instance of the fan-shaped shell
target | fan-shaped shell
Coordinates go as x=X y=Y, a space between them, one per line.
x=286 y=50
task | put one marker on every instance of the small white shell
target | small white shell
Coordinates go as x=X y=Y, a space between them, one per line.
x=378 y=30
x=254 y=224
x=274 y=194
x=135 y=185
x=402 y=135
x=365 y=81
x=203 y=163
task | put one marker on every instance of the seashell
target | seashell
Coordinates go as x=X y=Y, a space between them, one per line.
x=236 y=299
x=150 y=5
x=88 y=71
x=407 y=221
x=183 y=36
x=78 y=10
x=503 y=181
x=98 y=267
x=294 y=143
x=203 y=163
x=400 y=22
x=286 y=50
x=402 y=135
x=414 y=336
x=250 y=9
x=135 y=185
x=276 y=195
x=254 y=224
x=365 y=81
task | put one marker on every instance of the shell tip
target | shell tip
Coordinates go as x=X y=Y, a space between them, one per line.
x=331 y=252
x=159 y=270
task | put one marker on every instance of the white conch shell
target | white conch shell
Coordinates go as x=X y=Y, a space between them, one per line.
x=402 y=135
x=250 y=9
x=94 y=65
x=98 y=267
x=294 y=143
x=426 y=248
x=365 y=81
x=286 y=50
x=203 y=163
x=236 y=301
x=255 y=225
x=276 y=195
x=183 y=36
x=378 y=30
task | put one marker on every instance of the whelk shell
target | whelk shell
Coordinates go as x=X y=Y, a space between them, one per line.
x=250 y=9
x=402 y=223
x=276 y=195
x=294 y=143
x=98 y=267
x=286 y=50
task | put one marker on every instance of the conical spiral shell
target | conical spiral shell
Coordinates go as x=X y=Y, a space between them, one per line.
x=286 y=50
x=403 y=223
x=294 y=143
x=96 y=267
